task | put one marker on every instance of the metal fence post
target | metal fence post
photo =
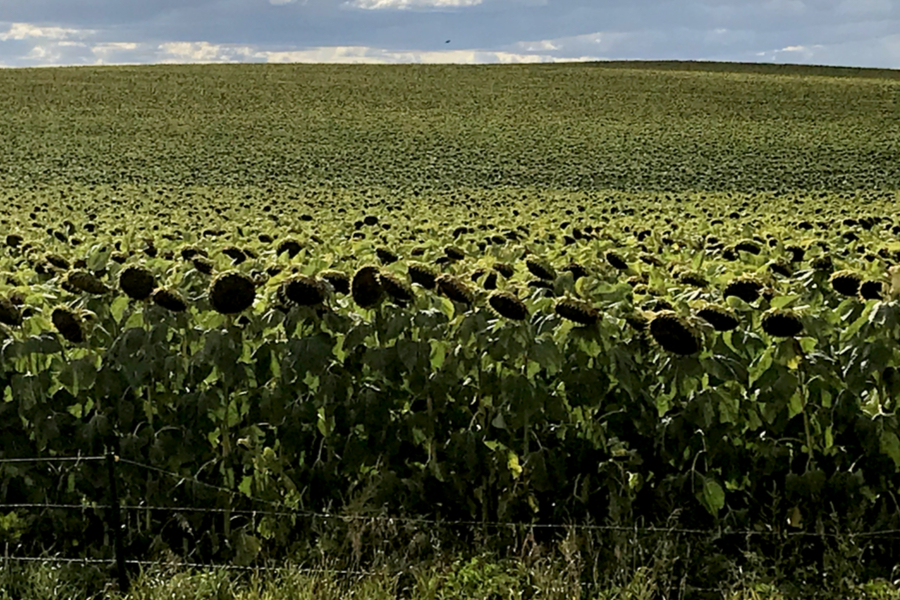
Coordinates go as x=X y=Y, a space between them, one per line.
x=115 y=521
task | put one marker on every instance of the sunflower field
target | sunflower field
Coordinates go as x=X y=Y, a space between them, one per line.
x=559 y=295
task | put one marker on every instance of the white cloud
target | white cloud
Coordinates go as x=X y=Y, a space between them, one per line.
x=61 y=52
x=597 y=43
x=204 y=52
x=411 y=4
x=24 y=31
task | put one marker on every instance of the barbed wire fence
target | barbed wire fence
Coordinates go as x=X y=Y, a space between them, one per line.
x=119 y=561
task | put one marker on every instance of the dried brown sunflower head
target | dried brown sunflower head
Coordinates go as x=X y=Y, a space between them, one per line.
x=616 y=260
x=674 y=334
x=395 y=286
x=693 y=278
x=291 y=246
x=872 y=289
x=720 y=317
x=386 y=256
x=576 y=311
x=845 y=282
x=745 y=287
x=506 y=304
x=422 y=275
x=781 y=322
x=454 y=253
x=505 y=269
x=339 y=280
x=231 y=292
x=9 y=312
x=455 y=289
x=69 y=324
x=366 y=287
x=304 y=290
x=85 y=281
x=169 y=299
x=137 y=282
x=540 y=268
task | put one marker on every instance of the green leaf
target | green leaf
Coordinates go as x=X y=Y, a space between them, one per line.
x=246 y=486
x=808 y=344
x=795 y=405
x=782 y=301
x=438 y=353
x=117 y=308
x=512 y=461
x=890 y=445
x=712 y=496
x=762 y=365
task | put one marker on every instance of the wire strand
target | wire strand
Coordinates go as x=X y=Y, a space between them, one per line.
x=52 y=459
x=282 y=511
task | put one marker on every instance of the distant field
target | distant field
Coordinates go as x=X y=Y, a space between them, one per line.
x=630 y=126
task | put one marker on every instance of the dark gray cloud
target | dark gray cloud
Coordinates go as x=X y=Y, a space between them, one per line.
x=847 y=32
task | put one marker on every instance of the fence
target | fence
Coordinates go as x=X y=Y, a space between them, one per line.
x=120 y=561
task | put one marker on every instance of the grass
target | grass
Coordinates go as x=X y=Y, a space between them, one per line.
x=477 y=578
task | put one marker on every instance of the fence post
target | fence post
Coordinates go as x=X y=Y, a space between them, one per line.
x=115 y=522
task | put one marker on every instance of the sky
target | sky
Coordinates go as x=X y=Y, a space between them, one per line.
x=863 y=33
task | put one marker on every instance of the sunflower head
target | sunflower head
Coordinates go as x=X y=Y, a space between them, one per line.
x=304 y=290
x=169 y=299
x=137 y=282
x=231 y=292
x=540 y=268
x=720 y=317
x=395 y=287
x=845 y=283
x=9 y=312
x=745 y=287
x=366 y=287
x=422 y=275
x=69 y=324
x=339 y=280
x=577 y=311
x=455 y=289
x=674 y=334
x=781 y=322
x=507 y=305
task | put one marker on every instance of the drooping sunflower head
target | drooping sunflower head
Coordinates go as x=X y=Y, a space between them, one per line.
x=232 y=292
x=506 y=304
x=137 y=282
x=781 y=322
x=169 y=299
x=577 y=311
x=673 y=333
x=69 y=324
x=366 y=287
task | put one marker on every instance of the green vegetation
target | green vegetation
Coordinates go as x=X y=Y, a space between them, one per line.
x=449 y=127
x=654 y=301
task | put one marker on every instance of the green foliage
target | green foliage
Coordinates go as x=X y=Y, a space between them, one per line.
x=592 y=126
x=424 y=402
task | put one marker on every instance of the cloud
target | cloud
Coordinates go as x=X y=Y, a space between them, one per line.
x=411 y=4
x=204 y=52
x=25 y=31
x=847 y=32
